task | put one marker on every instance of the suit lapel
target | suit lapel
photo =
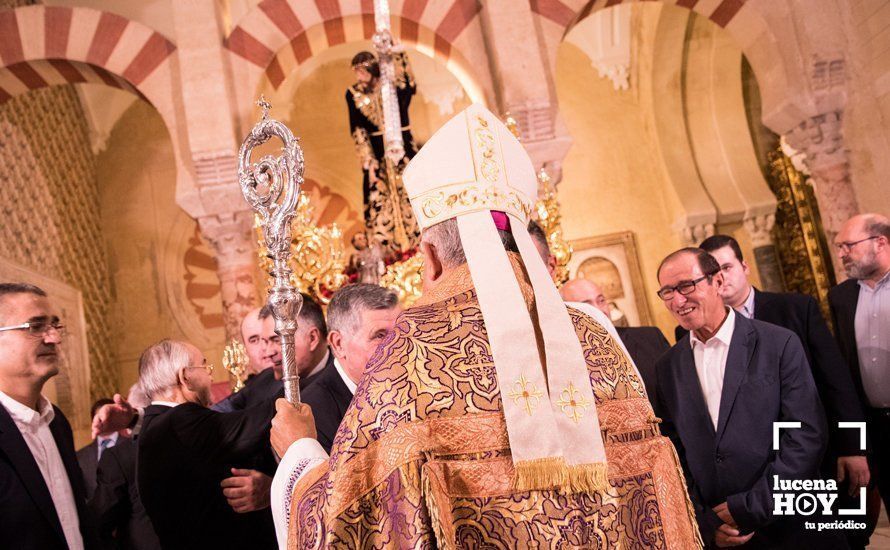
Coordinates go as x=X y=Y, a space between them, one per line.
x=690 y=388
x=13 y=444
x=741 y=350
x=760 y=301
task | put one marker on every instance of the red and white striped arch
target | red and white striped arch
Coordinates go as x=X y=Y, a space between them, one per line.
x=778 y=74
x=277 y=36
x=19 y=78
x=49 y=45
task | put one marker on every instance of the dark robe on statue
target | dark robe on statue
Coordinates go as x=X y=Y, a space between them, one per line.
x=387 y=210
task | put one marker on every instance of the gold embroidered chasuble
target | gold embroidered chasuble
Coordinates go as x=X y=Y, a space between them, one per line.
x=422 y=458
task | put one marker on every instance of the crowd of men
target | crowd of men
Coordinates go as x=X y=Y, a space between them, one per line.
x=170 y=469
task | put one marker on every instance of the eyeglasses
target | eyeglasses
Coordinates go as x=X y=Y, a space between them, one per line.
x=40 y=327
x=685 y=288
x=208 y=367
x=846 y=246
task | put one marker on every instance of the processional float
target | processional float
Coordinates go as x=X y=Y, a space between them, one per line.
x=314 y=261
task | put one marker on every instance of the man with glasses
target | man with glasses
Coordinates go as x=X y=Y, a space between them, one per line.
x=721 y=388
x=42 y=501
x=799 y=313
x=186 y=450
x=860 y=307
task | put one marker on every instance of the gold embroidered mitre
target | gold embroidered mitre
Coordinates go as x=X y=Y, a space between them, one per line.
x=481 y=169
x=472 y=166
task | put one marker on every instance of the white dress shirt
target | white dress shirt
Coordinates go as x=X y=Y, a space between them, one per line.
x=105 y=442
x=346 y=380
x=710 y=363
x=319 y=367
x=34 y=426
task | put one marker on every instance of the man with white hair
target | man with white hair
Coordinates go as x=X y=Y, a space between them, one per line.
x=457 y=435
x=186 y=451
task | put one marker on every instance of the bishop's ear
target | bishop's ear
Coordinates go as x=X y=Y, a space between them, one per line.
x=432 y=264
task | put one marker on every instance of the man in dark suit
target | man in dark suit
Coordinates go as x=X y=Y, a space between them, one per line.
x=310 y=354
x=359 y=316
x=860 y=307
x=644 y=344
x=186 y=450
x=42 y=504
x=800 y=314
x=720 y=390
x=88 y=456
x=120 y=516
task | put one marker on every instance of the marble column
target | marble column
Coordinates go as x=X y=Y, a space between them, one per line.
x=232 y=237
x=820 y=139
x=760 y=229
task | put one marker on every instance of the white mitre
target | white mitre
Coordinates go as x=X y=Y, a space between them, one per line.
x=472 y=166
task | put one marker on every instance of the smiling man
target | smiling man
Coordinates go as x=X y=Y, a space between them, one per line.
x=42 y=502
x=721 y=388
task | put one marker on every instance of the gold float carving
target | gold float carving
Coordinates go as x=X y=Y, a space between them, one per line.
x=404 y=277
x=550 y=220
x=318 y=255
x=235 y=362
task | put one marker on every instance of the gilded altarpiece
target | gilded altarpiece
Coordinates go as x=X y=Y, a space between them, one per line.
x=803 y=253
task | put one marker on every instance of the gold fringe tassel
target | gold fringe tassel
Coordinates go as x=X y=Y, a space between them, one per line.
x=690 y=510
x=542 y=473
x=433 y=510
x=588 y=478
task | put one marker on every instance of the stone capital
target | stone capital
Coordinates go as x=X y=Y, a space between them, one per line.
x=760 y=228
x=820 y=139
x=692 y=235
x=232 y=237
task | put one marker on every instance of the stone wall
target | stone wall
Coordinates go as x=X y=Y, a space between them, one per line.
x=49 y=204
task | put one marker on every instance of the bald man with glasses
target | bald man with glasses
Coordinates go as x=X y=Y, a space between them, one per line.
x=42 y=504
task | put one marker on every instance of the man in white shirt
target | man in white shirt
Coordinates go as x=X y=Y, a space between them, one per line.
x=42 y=503
x=721 y=390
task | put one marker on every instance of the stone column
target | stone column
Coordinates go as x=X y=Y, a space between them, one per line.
x=524 y=83
x=214 y=199
x=760 y=228
x=232 y=237
x=820 y=139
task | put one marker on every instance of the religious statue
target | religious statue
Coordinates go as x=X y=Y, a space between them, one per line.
x=389 y=219
x=367 y=261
